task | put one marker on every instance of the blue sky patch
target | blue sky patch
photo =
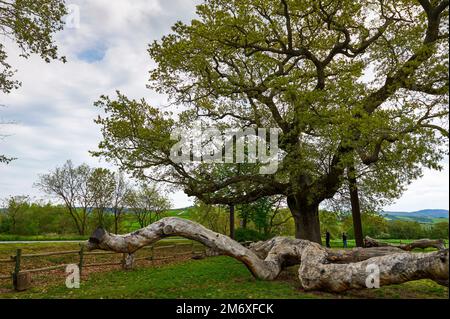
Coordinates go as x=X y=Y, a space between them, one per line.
x=92 y=55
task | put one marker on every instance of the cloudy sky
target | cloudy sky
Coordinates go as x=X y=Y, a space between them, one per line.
x=54 y=111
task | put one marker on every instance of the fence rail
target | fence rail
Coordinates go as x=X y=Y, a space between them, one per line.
x=195 y=249
x=56 y=253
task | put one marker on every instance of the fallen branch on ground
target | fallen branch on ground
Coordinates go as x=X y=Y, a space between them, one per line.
x=320 y=268
x=421 y=243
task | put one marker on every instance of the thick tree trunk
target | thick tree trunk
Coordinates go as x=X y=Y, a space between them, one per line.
x=356 y=209
x=320 y=268
x=307 y=225
x=306 y=219
x=232 y=221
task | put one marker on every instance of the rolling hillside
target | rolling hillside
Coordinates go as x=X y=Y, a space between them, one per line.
x=427 y=216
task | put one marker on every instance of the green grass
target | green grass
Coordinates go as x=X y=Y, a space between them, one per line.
x=129 y=223
x=217 y=277
x=439 y=220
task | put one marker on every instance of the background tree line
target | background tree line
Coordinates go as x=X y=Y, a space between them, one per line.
x=144 y=205
x=269 y=217
x=90 y=197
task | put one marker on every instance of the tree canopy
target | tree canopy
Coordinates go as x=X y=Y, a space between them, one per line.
x=345 y=82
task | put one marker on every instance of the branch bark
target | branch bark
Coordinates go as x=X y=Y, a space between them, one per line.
x=320 y=268
x=421 y=243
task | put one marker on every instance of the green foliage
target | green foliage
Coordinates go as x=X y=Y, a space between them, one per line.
x=28 y=219
x=330 y=221
x=46 y=220
x=373 y=223
x=376 y=226
x=404 y=230
x=248 y=234
x=413 y=230
x=261 y=213
x=219 y=278
x=216 y=218
x=259 y=220
x=438 y=231
x=147 y=204
x=298 y=67
x=31 y=24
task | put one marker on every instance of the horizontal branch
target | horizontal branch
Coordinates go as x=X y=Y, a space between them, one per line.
x=421 y=243
x=320 y=268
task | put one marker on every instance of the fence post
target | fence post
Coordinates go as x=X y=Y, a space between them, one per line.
x=128 y=261
x=17 y=260
x=80 y=264
x=123 y=260
x=21 y=280
x=152 y=251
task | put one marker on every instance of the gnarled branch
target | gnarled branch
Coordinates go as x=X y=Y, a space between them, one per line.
x=421 y=243
x=320 y=268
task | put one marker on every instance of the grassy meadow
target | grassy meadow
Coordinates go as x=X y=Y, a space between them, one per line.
x=214 y=277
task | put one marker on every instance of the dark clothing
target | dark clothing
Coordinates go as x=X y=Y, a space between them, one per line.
x=344 y=239
x=327 y=239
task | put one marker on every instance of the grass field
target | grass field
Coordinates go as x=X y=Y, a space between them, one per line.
x=54 y=276
x=214 y=277
x=218 y=277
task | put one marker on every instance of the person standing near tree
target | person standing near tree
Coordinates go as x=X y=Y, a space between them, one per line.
x=344 y=239
x=327 y=239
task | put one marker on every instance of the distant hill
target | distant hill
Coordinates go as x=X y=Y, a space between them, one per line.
x=421 y=216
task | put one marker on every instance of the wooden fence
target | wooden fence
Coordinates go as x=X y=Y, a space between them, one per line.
x=193 y=249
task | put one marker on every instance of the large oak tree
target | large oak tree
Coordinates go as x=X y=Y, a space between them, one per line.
x=346 y=82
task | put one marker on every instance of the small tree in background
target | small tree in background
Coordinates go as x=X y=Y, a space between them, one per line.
x=70 y=184
x=16 y=206
x=147 y=204
x=121 y=190
x=101 y=185
x=214 y=217
x=265 y=214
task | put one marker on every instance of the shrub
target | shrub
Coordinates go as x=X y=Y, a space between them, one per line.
x=248 y=234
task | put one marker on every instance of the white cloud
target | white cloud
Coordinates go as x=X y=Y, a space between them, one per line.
x=431 y=191
x=54 y=108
